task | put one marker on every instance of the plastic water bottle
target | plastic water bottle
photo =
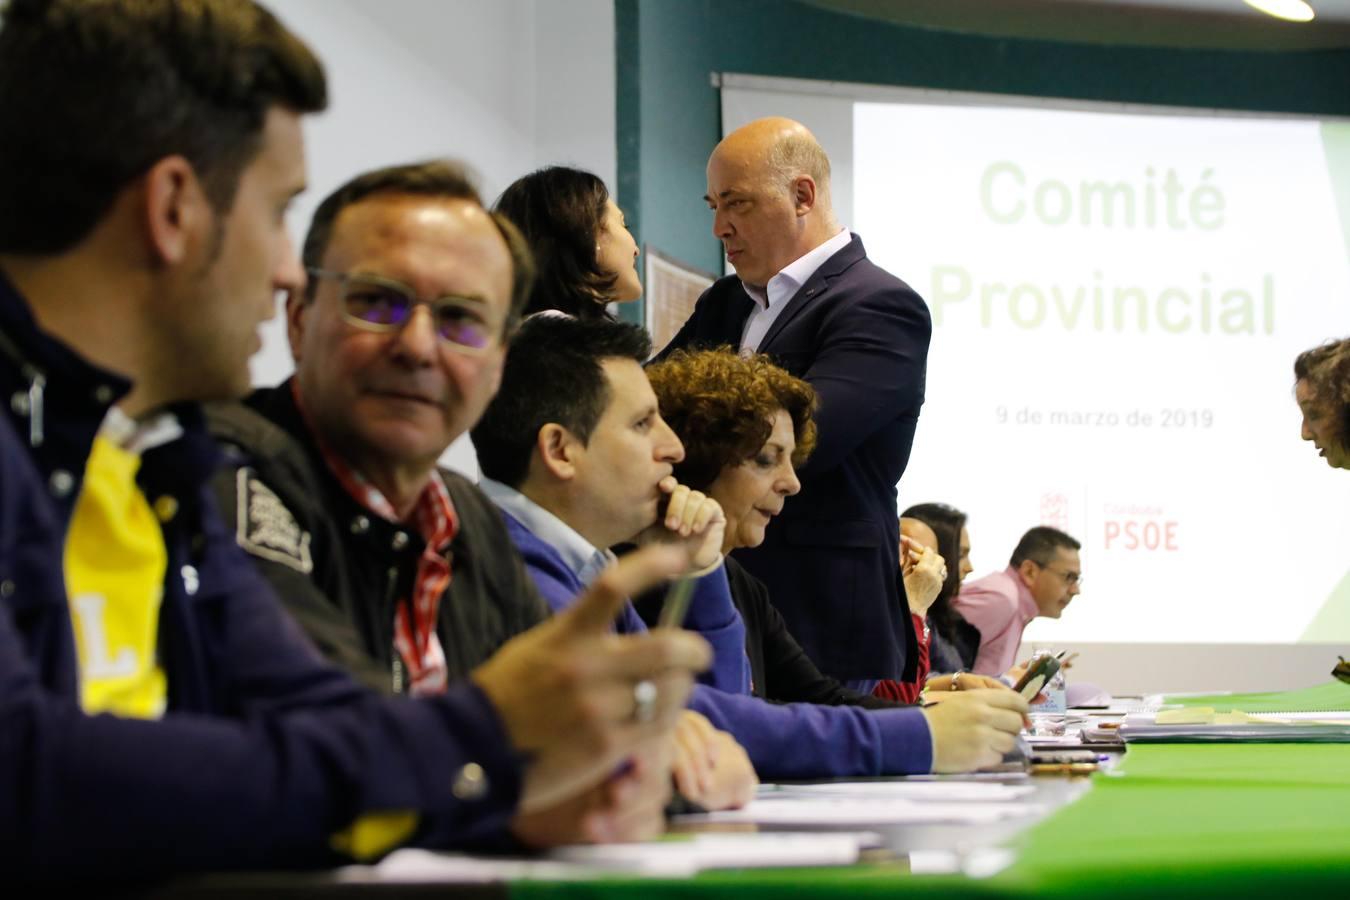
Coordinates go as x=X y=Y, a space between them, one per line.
x=1056 y=703
x=1054 y=690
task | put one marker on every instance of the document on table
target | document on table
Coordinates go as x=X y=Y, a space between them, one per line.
x=929 y=791
x=794 y=808
x=675 y=857
x=1205 y=724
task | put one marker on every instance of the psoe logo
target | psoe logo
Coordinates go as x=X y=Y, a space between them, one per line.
x=1055 y=510
x=1145 y=528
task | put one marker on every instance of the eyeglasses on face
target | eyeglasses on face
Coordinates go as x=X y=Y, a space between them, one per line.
x=382 y=304
x=1070 y=578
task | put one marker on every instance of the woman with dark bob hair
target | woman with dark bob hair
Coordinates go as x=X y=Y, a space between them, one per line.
x=1322 y=389
x=585 y=256
x=745 y=424
x=953 y=641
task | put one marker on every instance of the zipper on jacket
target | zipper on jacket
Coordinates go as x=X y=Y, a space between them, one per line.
x=36 y=386
x=31 y=404
x=397 y=669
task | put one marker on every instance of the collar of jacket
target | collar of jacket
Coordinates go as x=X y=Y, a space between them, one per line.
x=393 y=540
x=56 y=400
x=816 y=286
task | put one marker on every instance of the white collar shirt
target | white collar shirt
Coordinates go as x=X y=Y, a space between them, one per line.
x=771 y=299
x=583 y=558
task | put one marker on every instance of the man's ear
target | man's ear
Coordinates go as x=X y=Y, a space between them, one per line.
x=557 y=449
x=804 y=194
x=178 y=215
x=297 y=307
x=1027 y=571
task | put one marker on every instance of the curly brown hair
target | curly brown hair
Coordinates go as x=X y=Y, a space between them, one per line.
x=722 y=407
x=1327 y=370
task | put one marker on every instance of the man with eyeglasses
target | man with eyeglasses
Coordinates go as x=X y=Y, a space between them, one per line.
x=400 y=571
x=341 y=502
x=1042 y=578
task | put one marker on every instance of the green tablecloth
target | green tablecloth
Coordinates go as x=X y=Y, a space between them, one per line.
x=1203 y=819
x=1334 y=695
x=1200 y=820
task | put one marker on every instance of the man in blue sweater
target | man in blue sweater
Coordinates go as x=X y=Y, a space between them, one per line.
x=574 y=451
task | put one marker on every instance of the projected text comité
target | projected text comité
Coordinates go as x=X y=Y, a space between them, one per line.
x=1155 y=202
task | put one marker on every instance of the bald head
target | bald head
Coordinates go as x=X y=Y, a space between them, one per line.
x=769 y=189
x=919 y=532
x=781 y=150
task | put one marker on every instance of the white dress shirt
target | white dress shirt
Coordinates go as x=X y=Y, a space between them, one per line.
x=773 y=297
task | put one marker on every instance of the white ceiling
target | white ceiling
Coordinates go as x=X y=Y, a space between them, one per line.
x=1220 y=24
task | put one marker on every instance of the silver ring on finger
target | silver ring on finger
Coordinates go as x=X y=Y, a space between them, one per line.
x=644 y=701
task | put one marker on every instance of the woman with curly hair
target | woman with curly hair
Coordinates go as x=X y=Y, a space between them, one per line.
x=585 y=256
x=1322 y=389
x=745 y=424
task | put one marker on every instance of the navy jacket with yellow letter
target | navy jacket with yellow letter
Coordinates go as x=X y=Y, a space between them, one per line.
x=265 y=756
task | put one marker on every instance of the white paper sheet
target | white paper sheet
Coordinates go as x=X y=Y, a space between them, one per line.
x=676 y=857
x=864 y=812
x=927 y=791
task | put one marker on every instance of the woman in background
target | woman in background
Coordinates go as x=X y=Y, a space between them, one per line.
x=953 y=641
x=1322 y=389
x=585 y=256
x=928 y=577
x=745 y=425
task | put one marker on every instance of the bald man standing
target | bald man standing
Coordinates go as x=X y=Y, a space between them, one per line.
x=805 y=293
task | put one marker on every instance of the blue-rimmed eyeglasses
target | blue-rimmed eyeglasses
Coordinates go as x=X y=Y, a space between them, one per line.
x=382 y=304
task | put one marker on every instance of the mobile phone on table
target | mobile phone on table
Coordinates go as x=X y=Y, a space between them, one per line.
x=1041 y=670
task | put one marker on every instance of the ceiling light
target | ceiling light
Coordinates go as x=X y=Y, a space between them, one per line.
x=1290 y=10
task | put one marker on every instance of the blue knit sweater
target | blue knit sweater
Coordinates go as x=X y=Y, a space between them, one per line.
x=796 y=740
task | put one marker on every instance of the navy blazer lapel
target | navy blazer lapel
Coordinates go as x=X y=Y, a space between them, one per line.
x=737 y=311
x=816 y=286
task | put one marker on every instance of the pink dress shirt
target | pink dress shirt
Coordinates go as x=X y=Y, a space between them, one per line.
x=1000 y=606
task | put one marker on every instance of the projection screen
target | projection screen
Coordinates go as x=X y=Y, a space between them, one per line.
x=1118 y=293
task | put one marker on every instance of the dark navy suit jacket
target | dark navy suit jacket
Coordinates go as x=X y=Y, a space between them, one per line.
x=860 y=336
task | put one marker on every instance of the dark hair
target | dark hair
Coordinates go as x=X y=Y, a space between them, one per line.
x=443 y=179
x=1039 y=545
x=1326 y=369
x=552 y=374
x=95 y=92
x=946 y=522
x=561 y=212
x=721 y=405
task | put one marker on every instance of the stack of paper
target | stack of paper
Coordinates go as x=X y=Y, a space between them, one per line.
x=863 y=804
x=929 y=791
x=1205 y=724
x=846 y=807
x=676 y=857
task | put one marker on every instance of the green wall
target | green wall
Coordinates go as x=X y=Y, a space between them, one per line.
x=669 y=114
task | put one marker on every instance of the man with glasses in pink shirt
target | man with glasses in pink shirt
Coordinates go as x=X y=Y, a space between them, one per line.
x=1042 y=578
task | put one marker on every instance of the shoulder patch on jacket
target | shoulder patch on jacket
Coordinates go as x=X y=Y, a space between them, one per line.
x=266 y=528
